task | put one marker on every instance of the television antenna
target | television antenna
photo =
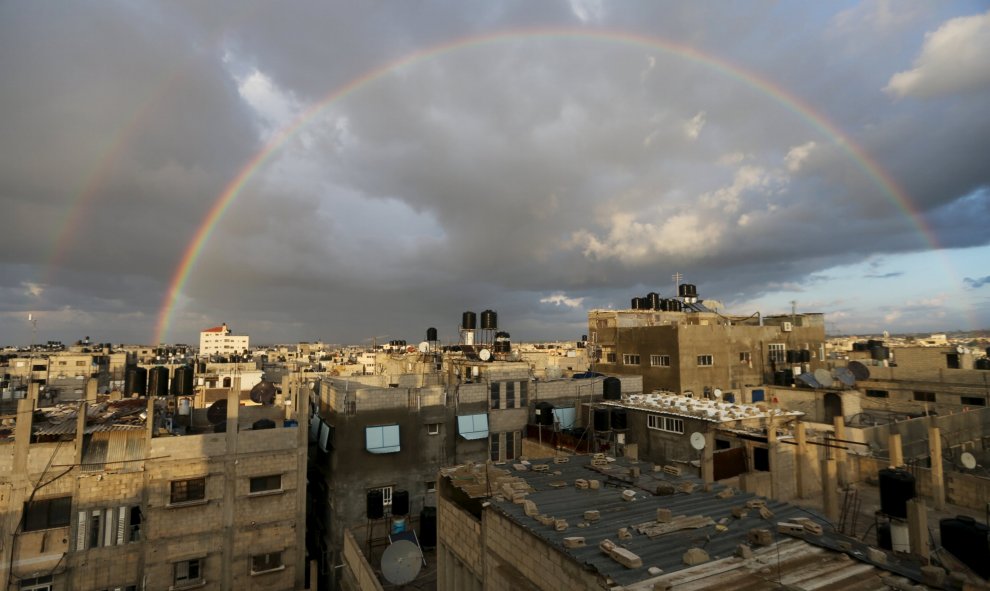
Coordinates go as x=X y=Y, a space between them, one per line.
x=677 y=282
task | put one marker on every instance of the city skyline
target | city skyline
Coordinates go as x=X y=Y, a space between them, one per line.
x=336 y=172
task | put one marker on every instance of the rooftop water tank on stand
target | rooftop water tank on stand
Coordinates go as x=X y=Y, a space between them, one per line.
x=544 y=413
x=967 y=540
x=400 y=502
x=469 y=321
x=618 y=418
x=428 y=527
x=375 y=504
x=897 y=487
x=612 y=388
x=601 y=419
x=182 y=381
x=654 y=299
x=158 y=381
x=489 y=320
x=136 y=381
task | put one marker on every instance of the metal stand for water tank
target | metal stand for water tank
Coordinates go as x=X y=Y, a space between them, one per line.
x=371 y=541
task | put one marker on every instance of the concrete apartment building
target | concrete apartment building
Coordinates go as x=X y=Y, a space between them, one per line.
x=585 y=522
x=390 y=433
x=219 y=341
x=103 y=495
x=680 y=345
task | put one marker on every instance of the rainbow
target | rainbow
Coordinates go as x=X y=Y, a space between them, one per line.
x=781 y=96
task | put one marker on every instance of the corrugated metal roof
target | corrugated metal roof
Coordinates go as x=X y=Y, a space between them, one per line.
x=555 y=494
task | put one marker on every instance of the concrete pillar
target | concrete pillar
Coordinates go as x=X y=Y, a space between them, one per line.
x=22 y=434
x=229 y=483
x=896 y=451
x=917 y=515
x=830 y=491
x=801 y=467
x=841 y=455
x=772 y=456
x=92 y=385
x=938 y=477
x=149 y=423
x=708 y=459
x=80 y=430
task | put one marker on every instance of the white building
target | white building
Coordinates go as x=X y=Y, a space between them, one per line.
x=219 y=341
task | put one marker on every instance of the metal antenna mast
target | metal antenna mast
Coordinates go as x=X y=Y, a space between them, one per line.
x=677 y=282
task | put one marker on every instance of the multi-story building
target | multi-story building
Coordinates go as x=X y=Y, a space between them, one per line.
x=135 y=494
x=682 y=346
x=218 y=341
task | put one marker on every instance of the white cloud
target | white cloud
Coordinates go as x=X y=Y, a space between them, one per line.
x=274 y=107
x=588 y=10
x=651 y=62
x=692 y=128
x=561 y=299
x=728 y=198
x=797 y=155
x=637 y=242
x=877 y=16
x=953 y=59
x=34 y=289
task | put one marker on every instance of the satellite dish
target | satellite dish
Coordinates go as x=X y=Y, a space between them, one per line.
x=263 y=393
x=844 y=375
x=859 y=371
x=424 y=347
x=217 y=413
x=809 y=380
x=515 y=355
x=824 y=377
x=698 y=441
x=401 y=562
x=484 y=355
x=717 y=393
x=967 y=460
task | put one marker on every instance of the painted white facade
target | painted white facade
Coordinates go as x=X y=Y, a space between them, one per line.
x=219 y=341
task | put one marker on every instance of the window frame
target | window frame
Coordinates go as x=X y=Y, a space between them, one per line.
x=261 y=481
x=665 y=423
x=188 y=581
x=924 y=396
x=659 y=360
x=745 y=357
x=173 y=502
x=266 y=556
x=386 y=493
x=48 y=511
x=631 y=359
x=385 y=449
x=777 y=352
x=433 y=428
x=876 y=393
x=706 y=357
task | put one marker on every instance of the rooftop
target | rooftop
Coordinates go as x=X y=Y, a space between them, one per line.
x=715 y=411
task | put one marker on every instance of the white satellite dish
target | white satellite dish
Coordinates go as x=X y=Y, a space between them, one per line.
x=424 y=347
x=698 y=441
x=717 y=393
x=967 y=460
x=401 y=562
x=484 y=355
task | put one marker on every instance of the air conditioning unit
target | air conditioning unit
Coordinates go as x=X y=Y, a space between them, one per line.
x=786 y=327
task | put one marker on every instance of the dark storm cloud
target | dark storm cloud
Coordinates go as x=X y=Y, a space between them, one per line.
x=494 y=175
x=978 y=282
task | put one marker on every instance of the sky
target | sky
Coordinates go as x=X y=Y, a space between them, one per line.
x=351 y=171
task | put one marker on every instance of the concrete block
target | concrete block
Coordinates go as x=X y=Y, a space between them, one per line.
x=628 y=495
x=593 y=515
x=695 y=556
x=540 y=468
x=594 y=484
x=725 y=493
x=560 y=524
x=634 y=471
x=581 y=484
x=744 y=551
x=623 y=533
x=545 y=519
x=754 y=503
x=790 y=528
x=687 y=487
x=655 y=571
x=933 y=575
x=672 y=470
x=520 y=467
x=561 y=460
x=574 y=542
x=662 y=586
x=765 y=513
x=530 y=508
x=760 y=537
x=663 y=515
x=876 y=555
x=626 y=558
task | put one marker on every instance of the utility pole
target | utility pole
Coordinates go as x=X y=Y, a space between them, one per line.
x=677 y=282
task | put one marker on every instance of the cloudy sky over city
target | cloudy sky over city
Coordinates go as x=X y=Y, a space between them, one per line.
x=347 y=171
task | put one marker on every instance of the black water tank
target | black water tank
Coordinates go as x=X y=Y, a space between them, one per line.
x=220 y=427
x=897 y=487
x=400 y=502
x=982 y=364
x=879 y=353
x=654 y=299
x=884 y=540
x=612 y=388
x=544 y=413
x=182 y=381
x=136 y=381
x=468 y=321
x=158 y=381
x=601 y=416
x=805 y=355
x=674 y=305
x=489 y=320
x=687 y=290
x=634 y=304
x=619 y=418
x=375 y=504
x=967 y=540
x=431 y=334
x=793 y=356
x=263 y=424
x=428 y=527
x=201 y=367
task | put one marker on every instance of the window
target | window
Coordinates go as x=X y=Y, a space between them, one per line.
x=473 y=426
x=433 y=429
x=493 y=447
x=661 y=423
x=431 y=486
x=705 y=361
x=972 y=401
x=383 y=439
x=510 y=445
x=523 y=394
x=112 y=526
x=187 y=573
x=37 y=583
x=47 y=513
x=924 y=396
x=261 y=563
x=777 y=353
x=260 y=484
x=745 y=358
x=186 y=491
x=877 y=394
x=510 y=395
x=660 y=360
x=630 y=359
x=496 y=389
